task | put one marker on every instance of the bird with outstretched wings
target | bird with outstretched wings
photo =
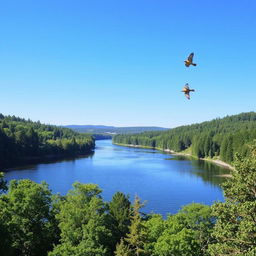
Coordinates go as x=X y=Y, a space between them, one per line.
x=189 y=60
x=187 y=91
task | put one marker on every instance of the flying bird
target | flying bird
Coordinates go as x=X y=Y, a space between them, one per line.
x=186 y=90
x=189 y=60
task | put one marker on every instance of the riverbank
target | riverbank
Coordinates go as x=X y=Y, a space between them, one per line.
x=215 y=161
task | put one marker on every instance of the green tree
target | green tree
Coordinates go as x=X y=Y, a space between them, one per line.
x=122 y=249
x=176 y=241
x=186 y=233
x=235 y=230
x=136 y=238
x=25 y=217
x=83 y=223
x=119 y=212
x=198 y=218
x=155 y=226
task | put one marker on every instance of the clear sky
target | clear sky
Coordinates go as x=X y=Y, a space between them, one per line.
x=120 y=62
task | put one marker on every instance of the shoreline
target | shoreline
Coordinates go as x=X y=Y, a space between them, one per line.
x=220 y=163
x=215 y=161
x=41 y=160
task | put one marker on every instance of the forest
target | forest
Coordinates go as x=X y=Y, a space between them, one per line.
x=36 y=222
x=21 y=140
x=220 y=138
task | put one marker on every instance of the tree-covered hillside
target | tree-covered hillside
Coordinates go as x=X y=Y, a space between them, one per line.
x=219 y=137
x=22 y=139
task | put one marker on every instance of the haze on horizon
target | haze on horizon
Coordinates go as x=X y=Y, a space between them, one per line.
x=120 y=63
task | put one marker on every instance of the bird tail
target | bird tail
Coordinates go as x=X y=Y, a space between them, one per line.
x=194 y=64
x=192 y=90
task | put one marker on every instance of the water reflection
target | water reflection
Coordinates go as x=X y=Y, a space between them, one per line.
x=208 y=171
x=33 y=163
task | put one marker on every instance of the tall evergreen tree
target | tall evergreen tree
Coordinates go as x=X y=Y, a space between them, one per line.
x=136 y=238
x=119 y=216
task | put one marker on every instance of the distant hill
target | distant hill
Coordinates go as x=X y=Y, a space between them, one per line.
x=102 y=129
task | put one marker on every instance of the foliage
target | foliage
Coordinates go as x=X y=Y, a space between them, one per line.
x=136 y=238
x=235 y=230
x=26 y=219
x=119 y=217
x=22 y=139
x=155 y=226
x=122 y=249
x=185 y=233
x=82 y=221
x=219 y=137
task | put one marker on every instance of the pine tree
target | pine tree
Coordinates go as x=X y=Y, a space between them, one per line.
x=122 y=249
x=119 y=215
x=136 y=238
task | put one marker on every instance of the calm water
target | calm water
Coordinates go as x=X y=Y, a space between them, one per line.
x=165 y=181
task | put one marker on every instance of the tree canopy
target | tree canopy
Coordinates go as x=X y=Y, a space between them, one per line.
x=235 y=230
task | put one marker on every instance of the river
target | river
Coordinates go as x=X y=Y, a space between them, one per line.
x=165 y=181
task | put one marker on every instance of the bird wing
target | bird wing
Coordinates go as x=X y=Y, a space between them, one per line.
x=190 y=57
x=187 y=95
x=186 y=86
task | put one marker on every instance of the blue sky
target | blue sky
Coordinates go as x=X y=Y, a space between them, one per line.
x=121 y=62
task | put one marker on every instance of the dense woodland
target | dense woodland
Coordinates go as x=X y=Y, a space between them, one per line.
x=35 y=222
x=22 y=139
x=217 y=138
